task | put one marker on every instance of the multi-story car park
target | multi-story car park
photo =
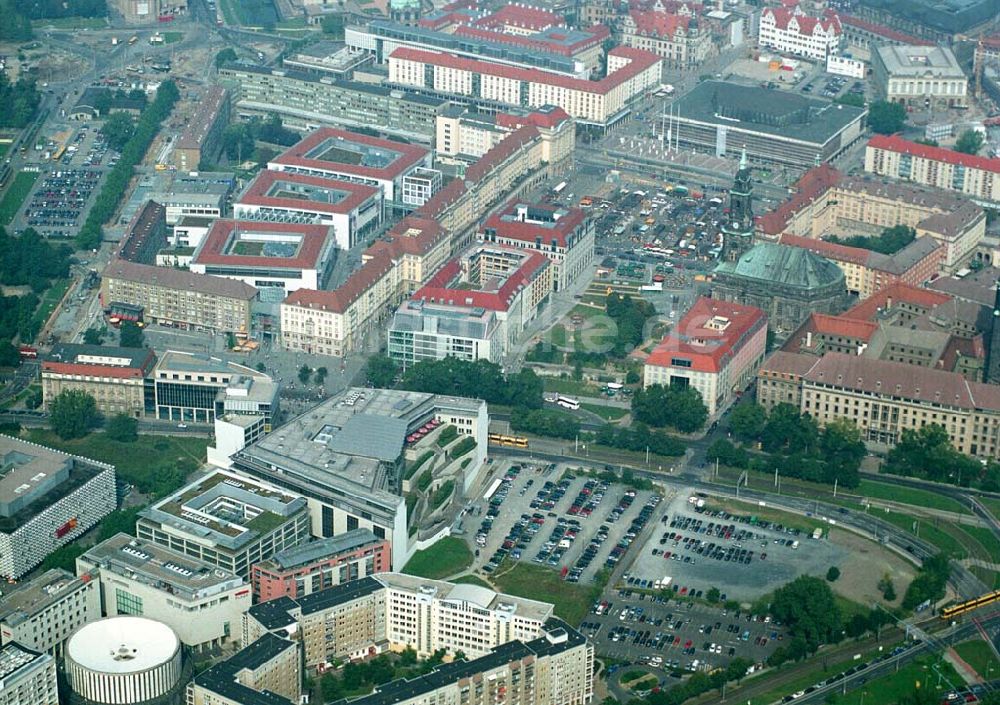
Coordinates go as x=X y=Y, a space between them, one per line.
x=227 y=521
x=47 y=499
x=42 y=613
x=27 y=677
x=350 y=210
x=145 y=579
x=307 y=101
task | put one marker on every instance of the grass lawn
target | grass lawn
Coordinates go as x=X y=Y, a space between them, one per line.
x=16 y=193
x=907 y=495
x=171 y=37
x=985 y=538
x=608 y=413
x=72 y=23
x=4 y=147
x=53 y=295
x=229 y=11
x=570 y=386
x=572 y=600
x=977 y=653
x=152 y=463
x=992 y=504
x=448 y=556
x=889 y=689
x=472 y=580
x=833 y=666
x=294 y=23
x=586 y=311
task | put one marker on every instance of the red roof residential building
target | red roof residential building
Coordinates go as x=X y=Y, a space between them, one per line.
x=534 y=222
x=447 y=286
x=660 y=24
x=811 y=185
x=894 y=143
x=921 y=300
x=715 y=348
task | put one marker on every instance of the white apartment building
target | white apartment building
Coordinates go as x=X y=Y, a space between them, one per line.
x=716 y=349
x=201 y=603
x=47 y=499
x=27 y=677
x=601 y=103
x=41 y=614
x=791 y=31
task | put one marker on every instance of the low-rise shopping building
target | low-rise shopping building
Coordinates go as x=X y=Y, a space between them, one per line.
x=716 y=349
x=114 y=377
x=202 y=603
x=47 y=499
x=227 y=521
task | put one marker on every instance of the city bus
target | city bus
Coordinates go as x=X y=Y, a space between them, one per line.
x=568 y=402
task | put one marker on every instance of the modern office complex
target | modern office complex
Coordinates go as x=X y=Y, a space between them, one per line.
x=40 y=614
x=396 y=611
x=350 y=210
x=787 y=283
x=198 y=388
x=175 y=297
x=226 y=521
x=202 y=603
x=480 y=82
x=775 y=126
x=273 y=257
x=791 y=31
x=47 y=499
x=115 y=377
x=716 y=348
x=426 y=331
x=267 y=671
x=308 y=101
x=317 y=565
x=564 y=235
x=346 y=457
x=202 y=137
x=27 y=677
x=919 y=75
x=975 y=176
x=353 y=157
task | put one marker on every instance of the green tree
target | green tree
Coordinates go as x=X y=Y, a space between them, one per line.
x=72 y=413
x=63 y=557
x=333 y=24
x=118 y=129
x=34 y=398
x=929 y=583
x=809 y=610
x=380 y=371
x=886 y=118
x=789 y=431
x=833 y=573
x=226 y=56
x=320 y=375
x=853 y=99
x=727 y=454
x=9 y=357
x=713 y=595
x=305 y=372
x=122 y=428
x=260 y=367
x=970 y=142
x=237 y=142
x=677 y=407
x=93 y=336
x=131 y=335
x=842 y=451
x=747 y=421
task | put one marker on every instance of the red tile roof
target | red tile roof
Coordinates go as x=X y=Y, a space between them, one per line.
x=659 y=24
x=807 y=25
x=528 y=232
x=553 y=44
x=893 y=143
x=500 y=153
x=883 y=31
x=639 y=61
x=784 y=362
x=810 y=186
x=830 y=250
x=347 y=293
x=411 y=236
x=548 y=116
x=893 y=294
x=213 y=248
x=355 y=194
x=83 y=369
x=821 y=324
x=708 y=349
x=439 y=288
x=410 y=155
x=522 y=16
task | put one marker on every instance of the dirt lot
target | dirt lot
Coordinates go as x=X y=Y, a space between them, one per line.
x=863 y=566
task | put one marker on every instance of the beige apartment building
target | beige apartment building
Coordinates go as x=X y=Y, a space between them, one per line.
x=884 y=398
x=827 y=203
x=178 y=298
x=269 y=670
x=975 y=176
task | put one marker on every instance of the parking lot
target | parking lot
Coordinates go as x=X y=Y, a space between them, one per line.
x=742 y=557
x=551 y=516
x=679 y=636
x=59 y=199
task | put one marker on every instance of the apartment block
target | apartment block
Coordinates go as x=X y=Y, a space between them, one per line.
x=47 y=499
x=203 y=604
x=267 y=671
x=27 y=677
x=42 y=613
x=227 y=521
x=976 y=177
x=115 y=377
x=320 y=564
x=421 y=330
x=178 y=298
x=202 y=137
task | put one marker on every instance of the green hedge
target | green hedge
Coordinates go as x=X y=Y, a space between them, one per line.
x=447 y=435
x=117 y=181
x=424 y=481
x=412 y=469
x=462 y=447
x=441 y=494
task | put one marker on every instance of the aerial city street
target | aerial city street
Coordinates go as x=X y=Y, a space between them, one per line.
x=465 y=352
